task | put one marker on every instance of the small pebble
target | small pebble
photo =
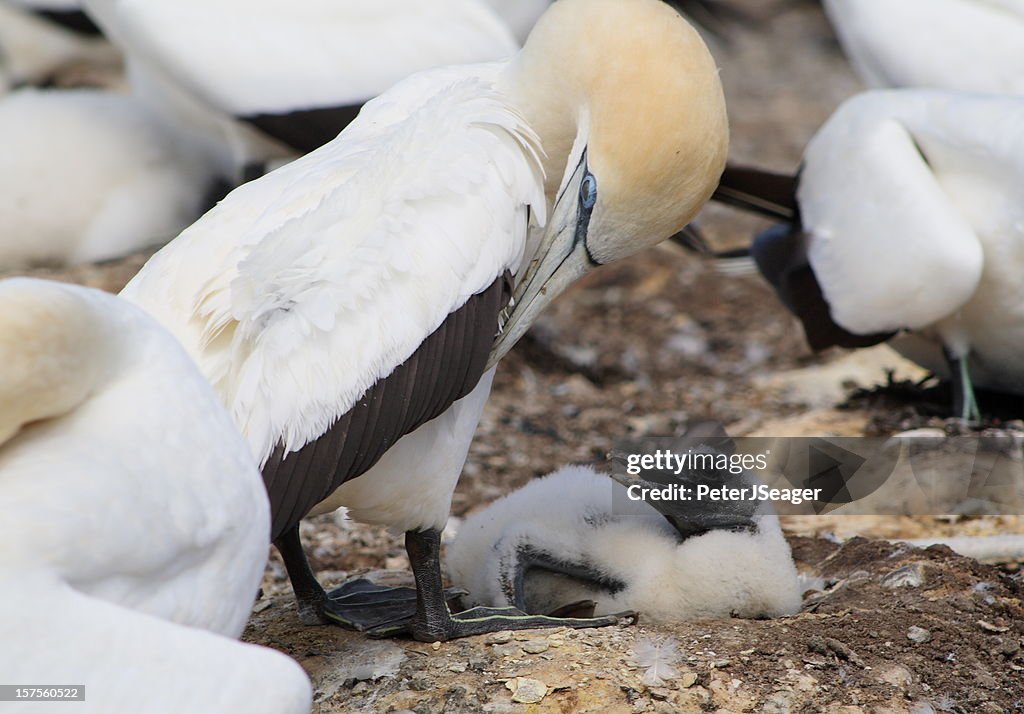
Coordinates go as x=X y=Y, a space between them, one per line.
x=918 y=634
x=688 y=680
x=909 y=576
x=509 y=650
x=435 y=646
x=500 y=638
x=535 y=646
x=720 y=664
x=458 y=668
x=420 y=684
x=989 y=627
x=526 y=690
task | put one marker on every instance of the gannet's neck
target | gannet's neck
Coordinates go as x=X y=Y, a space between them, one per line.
x=554 y=106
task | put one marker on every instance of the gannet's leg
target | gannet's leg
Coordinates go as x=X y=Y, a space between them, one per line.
x=359 y=604
x=309 y=596
x=435 y=622
x=965 y=404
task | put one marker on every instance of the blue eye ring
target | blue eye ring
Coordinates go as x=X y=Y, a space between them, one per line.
x=588 y=191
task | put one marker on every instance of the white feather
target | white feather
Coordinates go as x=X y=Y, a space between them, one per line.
x=129 y=661
x=934 y=243
x=521 y=15
x=87 y=175
x=303 y=288
x=570 y=515
x=132 y=516
x=967 y=45
x=265 y=56
x=206 y=62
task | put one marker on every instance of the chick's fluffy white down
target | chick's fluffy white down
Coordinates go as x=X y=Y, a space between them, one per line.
x=569 y=514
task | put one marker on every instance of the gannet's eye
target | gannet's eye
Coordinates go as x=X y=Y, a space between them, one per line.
x=588 y=191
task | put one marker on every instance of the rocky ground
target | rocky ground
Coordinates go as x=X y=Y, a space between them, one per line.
x=893 y=629
x=645 y=348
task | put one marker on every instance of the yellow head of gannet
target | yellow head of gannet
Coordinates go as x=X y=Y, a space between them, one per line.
x=641 y=117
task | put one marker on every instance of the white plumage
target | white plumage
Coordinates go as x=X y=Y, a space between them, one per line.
x=966 y=45
x=87 y=175
x=911 y=201
x=210 y=62
x=569 y=516
x=303 y=293
x=264 y=57
x=133 y=517
x=311 y=283
x=519 y=16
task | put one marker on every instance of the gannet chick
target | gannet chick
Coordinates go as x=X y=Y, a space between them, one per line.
x=571 y=538
x=132 y=515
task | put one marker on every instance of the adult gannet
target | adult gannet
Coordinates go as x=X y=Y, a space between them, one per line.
x=132 y=516
x=345 y=305
x=966 y=45
x=87 y=175
x=573 y=539
x=907 y=217
x=266 y=79
x=41 y=39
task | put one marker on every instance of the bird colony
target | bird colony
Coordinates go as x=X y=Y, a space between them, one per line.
x=355 y=210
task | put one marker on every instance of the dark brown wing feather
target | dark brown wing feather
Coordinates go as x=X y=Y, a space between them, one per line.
x=771 y=194
x=445 y=367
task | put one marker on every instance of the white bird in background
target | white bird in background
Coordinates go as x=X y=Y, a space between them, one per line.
x=132 y=514
x=907 y=217
x=522 y=15
x=344 y=306
x=40 y=40
x=267 y=80
x=965 y=45
x=87 y=175
x=264 y=80
x=573 y=540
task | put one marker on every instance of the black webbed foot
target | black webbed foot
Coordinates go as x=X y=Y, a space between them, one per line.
x=485 y=620
x=362 y=605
